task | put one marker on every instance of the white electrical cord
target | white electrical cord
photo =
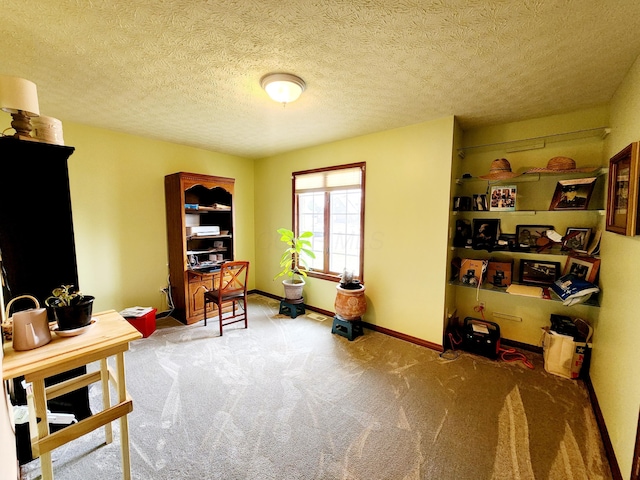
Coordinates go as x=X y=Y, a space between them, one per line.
x=484 y=269
x=169 y=299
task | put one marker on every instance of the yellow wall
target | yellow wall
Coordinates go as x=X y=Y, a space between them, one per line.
x=616 y=356
x=406 y=221
x=536 y=195
x=117 y=196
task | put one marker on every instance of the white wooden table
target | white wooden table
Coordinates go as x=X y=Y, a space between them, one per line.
x=108 y=336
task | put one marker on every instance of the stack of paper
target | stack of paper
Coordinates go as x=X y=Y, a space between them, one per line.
x=134 y=312
x=525 y=290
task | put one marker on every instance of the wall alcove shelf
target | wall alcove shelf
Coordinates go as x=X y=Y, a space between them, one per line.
x=592 y=302
x=524 y=213
x=533 y=253
x=536 y=142
x=534 y=206
x=534 y=177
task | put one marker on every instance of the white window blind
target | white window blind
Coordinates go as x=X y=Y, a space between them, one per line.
x=329 y=180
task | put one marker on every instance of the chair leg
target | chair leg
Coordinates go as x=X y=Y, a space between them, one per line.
x=244 y=307
x=220 y=316
x=205 y=312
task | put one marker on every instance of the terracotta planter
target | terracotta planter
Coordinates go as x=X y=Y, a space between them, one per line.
x=293 y=290
x=350 y=304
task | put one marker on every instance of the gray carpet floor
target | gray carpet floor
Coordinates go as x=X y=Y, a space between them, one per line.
x=286 y=399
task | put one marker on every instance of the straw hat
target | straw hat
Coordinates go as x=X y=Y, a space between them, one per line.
x=561 y=165
x=500 y=170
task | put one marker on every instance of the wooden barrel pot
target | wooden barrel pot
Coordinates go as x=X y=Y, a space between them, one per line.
x=350 y=304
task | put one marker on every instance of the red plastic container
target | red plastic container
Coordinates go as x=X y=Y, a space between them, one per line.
x=146 y=324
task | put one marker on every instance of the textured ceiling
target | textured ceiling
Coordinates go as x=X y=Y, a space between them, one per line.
x=188 y=71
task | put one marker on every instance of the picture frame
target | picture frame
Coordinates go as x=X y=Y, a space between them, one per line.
x=527 y=236
x=486 y=232
x=582 y=266
x=480 y=202
x=573 y=194
x=579 y=239
x=499 y=273
x=503 y=198
x=461 y=204
x=463 y=235
x=537 y=272
x=622 y=194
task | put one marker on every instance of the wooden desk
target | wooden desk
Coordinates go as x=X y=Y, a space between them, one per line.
x=109 y=336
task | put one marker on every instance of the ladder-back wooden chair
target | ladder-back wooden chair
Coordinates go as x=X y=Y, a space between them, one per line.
x=231 y=288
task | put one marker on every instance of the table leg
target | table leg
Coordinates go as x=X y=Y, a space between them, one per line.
x=124 y=423
x=106 y=398
x=37 y=404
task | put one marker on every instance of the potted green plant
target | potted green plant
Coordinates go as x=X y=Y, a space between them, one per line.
x=70 y=308
x=350 y=303
x=294 y=256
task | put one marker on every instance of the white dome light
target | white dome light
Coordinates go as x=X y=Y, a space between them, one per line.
x=283 y=87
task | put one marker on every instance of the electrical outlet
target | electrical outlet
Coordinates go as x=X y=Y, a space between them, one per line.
x=482 y=305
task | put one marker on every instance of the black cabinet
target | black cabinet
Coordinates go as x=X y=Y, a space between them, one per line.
x=36 y=240
x=36 y=230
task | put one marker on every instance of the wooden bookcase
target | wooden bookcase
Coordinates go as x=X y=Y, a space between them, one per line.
x=195 y=200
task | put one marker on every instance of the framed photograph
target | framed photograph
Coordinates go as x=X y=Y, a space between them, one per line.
x=582 y=267
x=485 y=233
x=622 y=195
x=471 y=271
x=503 y=198
x=573 y=194
x=461 y=204
x=529 y=236
x=499 y=273
x=480 y=202
x=462 y=237
x=576 y=239
x=535 y=272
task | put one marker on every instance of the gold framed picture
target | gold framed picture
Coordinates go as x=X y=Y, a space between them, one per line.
x=583 y=267
x=573 y=194
x=622 y=196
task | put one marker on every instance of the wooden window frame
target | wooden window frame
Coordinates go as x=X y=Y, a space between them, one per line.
x=326 y=275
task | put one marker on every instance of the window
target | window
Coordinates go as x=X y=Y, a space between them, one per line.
x=330 y=203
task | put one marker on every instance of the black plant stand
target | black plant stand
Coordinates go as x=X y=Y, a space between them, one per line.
x=293 y=308
x=347 y=328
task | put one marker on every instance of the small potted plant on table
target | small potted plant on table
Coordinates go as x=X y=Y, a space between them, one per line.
x=70 y=308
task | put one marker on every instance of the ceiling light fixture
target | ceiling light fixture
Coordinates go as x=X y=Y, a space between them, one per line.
x=19 y=97
x=283 y=87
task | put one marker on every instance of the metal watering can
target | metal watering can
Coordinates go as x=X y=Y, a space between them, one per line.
x=30 y=327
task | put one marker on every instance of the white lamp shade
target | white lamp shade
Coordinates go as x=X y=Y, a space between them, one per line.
x=283 y=87
x=18 y=95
